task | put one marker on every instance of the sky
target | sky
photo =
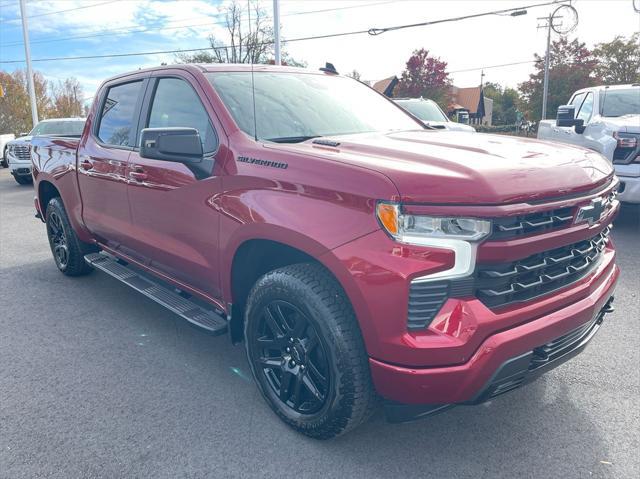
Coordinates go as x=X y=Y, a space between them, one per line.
x=62 y=28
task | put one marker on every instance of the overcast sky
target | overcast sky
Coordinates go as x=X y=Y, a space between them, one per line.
x=464 y=45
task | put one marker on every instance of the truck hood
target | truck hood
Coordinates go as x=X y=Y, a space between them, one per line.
x=20 y=140
x=626 y=123
x=456 y=167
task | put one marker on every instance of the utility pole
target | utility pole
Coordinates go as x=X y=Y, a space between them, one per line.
x=27 y=52
x=545 y=87
x=276 y=30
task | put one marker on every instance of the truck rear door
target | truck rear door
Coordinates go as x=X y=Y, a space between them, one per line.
x=176 y=228
x=103 y=158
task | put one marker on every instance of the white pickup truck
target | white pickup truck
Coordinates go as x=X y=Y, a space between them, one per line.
x=605 y=119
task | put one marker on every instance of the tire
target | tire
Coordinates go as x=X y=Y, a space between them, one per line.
x=23 y=180
x=68 y=251
x=316 y=376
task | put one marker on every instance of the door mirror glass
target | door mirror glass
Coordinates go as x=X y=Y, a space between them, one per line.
x=181 y=145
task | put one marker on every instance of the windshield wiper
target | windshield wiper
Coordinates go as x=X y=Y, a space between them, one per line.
x=293 y=139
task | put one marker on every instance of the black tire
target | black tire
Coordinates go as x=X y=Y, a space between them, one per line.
x=68 y=251
x=23 y=180
x=331 y=382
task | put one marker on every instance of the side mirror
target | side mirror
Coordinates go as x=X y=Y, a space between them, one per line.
x=182 y=145
x=566 y=117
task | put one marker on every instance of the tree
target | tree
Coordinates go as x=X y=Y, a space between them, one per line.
x=425 y=76
x=15 y=109
x=619 y=60
x=67 y=98
x=505 y=103
x=571 y=67
x=246 y=42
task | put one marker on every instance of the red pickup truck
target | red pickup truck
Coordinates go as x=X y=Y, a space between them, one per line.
x=357 y=254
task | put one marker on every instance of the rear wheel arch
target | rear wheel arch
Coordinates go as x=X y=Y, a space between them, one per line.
x=47 y=191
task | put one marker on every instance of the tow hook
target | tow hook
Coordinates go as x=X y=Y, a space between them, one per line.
x=608 y=308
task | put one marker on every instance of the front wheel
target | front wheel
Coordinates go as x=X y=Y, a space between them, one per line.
x=306 y=351
x=23 y=180
x=68 y=251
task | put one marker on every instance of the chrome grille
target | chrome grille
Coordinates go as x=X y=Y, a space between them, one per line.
x=506 y=283
x=22 y=152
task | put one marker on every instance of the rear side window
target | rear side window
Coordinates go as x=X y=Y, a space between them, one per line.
x=117 y=118
x=176 y=104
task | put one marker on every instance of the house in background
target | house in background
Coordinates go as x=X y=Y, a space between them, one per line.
x=473 y=101
x=470 y=100
x=386 y=86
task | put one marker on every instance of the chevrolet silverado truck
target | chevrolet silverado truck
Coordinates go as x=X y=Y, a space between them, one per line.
x=605 y=119
x=17 y=153
x=362 y=259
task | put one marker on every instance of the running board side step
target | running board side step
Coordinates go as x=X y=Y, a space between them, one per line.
x=195 y=314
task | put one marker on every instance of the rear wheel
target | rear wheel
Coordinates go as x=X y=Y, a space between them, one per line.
x=68 y=251
x=306 y=351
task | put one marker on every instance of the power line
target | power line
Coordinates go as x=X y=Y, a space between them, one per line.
x=316 y=37
x=71 y=9
x=379 y=31
x=127 y=30
x=495 y=66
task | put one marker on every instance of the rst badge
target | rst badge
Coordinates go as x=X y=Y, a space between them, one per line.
x=591 y=213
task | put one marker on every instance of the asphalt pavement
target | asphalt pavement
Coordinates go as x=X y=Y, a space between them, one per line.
x=98 y=381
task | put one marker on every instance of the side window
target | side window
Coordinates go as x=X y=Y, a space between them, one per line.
x=576 y=100
x=176 y=104
x=586 y=109
x=117 y=118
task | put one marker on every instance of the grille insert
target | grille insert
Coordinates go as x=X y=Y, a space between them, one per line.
x=22 y=152
x=502 y=284
x=425 y=300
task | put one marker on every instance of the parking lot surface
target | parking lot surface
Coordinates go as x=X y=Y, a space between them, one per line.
x=98 y=381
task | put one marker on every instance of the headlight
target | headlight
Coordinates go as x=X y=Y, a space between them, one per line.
x=419 y=229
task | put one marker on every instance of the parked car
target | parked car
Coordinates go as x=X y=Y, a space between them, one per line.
x=17 y=151
x=429 y=113
x=355 y=253
x=605 y=119
x=3 y=148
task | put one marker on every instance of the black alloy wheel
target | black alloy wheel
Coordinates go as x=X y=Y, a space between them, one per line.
x=291 y=358
x=58 y=240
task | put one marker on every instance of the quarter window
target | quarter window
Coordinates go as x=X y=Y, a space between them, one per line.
x=117 y=118
x=176 y=104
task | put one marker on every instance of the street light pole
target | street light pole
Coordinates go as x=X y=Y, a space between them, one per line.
x=27 y=51
x=545 y=87
x=276 y=30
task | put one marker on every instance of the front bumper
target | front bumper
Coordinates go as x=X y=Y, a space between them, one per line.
x=501 y=363
x=514 y=372
x=629 y=189
x=18 y=167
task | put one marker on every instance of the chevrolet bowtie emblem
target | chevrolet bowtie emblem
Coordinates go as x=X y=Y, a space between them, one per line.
x=591 y=213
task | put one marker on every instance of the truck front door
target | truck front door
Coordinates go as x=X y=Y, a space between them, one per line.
x=176 y=228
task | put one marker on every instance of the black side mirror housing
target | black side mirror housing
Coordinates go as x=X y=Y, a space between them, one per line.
x=566 y=117
x=182 y=145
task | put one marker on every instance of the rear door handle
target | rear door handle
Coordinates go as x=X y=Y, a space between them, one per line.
x=137 y=173
x=85 y=164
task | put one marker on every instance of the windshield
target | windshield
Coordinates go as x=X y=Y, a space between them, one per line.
x=291 y=107
x=424 y=109
x=59 y=128
x=621 y=102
